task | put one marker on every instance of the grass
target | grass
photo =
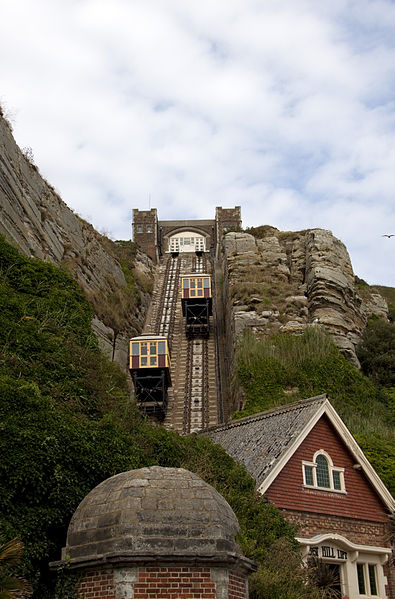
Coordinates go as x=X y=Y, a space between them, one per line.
x=116 y=305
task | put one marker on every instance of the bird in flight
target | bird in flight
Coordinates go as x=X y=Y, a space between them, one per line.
x=392 y=235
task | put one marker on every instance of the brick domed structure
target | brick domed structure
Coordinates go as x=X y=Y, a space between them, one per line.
x=156 y=528
x=152 y=511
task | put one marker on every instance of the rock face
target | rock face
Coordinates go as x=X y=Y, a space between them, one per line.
x=36 y=220
x=285 y=282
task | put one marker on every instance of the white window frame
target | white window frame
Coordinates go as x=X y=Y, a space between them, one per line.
x=187 y=241
x=331 y=468
x=366 y=577
x=356 y=554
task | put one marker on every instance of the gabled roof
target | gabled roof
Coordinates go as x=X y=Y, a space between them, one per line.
x=266 y=441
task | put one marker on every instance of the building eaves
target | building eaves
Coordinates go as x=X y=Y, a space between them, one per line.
x=259 y=441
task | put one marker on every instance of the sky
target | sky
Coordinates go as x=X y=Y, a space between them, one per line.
x=286 y=109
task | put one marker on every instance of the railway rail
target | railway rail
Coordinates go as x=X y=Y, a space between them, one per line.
x=167 y=306
x=196 y=396
x=199 y=264
x=194 y=402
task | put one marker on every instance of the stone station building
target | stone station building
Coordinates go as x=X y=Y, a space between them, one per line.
x=158 y=237
x=156 y=532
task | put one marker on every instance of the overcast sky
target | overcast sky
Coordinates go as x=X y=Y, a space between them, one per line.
x=285 y=108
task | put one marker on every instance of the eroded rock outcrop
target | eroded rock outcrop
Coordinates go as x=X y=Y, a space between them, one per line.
x=284 y=282
x=36 y=220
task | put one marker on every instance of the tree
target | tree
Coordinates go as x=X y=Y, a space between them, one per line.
x=12 y=585
x=376 y=352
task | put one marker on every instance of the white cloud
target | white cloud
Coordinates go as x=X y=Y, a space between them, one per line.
x=284 y=108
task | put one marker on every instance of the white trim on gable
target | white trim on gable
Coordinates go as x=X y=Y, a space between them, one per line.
x=349 y=441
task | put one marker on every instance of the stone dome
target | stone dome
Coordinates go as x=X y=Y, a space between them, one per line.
x=152 y=513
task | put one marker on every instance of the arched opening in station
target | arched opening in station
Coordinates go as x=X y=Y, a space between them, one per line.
x=187 y=241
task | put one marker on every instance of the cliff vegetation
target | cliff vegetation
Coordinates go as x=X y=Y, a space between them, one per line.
x=281 y=282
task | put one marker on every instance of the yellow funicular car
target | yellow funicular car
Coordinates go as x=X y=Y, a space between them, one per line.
x=197 y=302
x=149 y=364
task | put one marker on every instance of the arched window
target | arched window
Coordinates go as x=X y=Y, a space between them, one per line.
x=322 y=474
x=187 y=241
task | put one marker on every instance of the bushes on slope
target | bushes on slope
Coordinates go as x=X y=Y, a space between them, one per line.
x=376 y=352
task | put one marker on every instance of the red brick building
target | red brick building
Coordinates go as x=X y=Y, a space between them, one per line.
x=308 y=464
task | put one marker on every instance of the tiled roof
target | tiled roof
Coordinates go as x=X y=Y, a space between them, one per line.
x=260 y=440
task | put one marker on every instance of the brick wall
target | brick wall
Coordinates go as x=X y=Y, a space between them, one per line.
x=227 y=218
x=389 y=571
x=166 y=583
x=145 y=231
x=174 y=583
x=361 y=532
x=238 y=588
x=360 y=501
x=97 y=584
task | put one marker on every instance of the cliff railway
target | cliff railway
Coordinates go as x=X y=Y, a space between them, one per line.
x=186 y=310
x=193 y=401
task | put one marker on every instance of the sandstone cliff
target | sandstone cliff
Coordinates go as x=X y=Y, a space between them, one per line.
x=36 y=220
x=284 y=282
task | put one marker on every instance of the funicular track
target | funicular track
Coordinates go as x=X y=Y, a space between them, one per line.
x=216 y=349
x=196 y=396
x=199 y=263
x=165 y=317
x=193 y=400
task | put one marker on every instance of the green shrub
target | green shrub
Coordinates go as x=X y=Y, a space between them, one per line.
x=282 y=576
x=376 y=351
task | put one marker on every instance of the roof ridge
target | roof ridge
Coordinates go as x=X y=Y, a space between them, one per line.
x=269 y=413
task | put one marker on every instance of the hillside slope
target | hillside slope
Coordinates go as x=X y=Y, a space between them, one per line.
x=36 y=220
x=68 y=423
